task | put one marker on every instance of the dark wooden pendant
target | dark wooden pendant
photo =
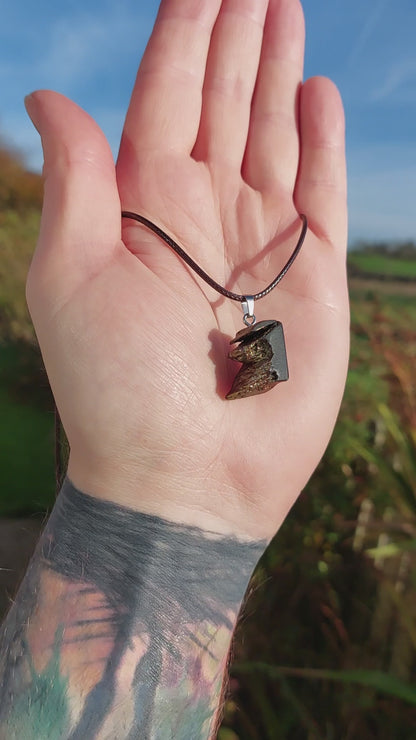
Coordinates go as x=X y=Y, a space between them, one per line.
x=261 y=349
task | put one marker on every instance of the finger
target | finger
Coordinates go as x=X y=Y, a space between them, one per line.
x=165 y=106
x=321 y=190
x=81 y=224
x=229 y=82
x=273 y=142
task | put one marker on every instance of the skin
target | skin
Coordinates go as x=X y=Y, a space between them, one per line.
x=223 y=146
x=121 y=628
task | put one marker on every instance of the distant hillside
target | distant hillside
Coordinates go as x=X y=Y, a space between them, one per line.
x=397 y=264
x=21 y=195
x=19 y=189
x=20 y=206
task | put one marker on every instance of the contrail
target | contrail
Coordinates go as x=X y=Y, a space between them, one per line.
x=367 y=30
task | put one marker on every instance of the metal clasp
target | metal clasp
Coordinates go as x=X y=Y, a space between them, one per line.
x=248 y=310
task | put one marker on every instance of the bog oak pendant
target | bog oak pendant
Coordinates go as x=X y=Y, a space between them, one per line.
x=261 y=349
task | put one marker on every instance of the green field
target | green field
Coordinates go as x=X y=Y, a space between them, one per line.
x=379 y=264
x=312 y=657
x=26 y=438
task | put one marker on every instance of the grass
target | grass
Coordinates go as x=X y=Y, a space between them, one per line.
x=26 y=434
x=305 y=662
x=307 y=633
x=379 y=264
x=18 y=234
x=26 y=458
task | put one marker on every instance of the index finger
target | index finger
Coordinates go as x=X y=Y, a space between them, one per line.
x=165 y=106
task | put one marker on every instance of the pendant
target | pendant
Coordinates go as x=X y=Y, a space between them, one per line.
x=261 y=348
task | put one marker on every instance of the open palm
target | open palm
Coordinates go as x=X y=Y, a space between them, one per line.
x=222 y=147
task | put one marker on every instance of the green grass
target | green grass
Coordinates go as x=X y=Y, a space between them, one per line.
x=26 y=457
x=18 y=234
x=26 y=434
x=379 y=264
x=315 y=600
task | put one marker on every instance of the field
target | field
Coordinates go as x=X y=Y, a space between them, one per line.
x=383 y=266
x=26 y=436
x=326 y=648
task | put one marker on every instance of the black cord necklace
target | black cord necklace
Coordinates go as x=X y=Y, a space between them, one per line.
x=261 y=346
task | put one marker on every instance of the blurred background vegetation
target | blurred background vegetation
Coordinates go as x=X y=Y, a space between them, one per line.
x=327 y=644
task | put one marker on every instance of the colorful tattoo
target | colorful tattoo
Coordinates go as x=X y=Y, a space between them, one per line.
x=121 y=628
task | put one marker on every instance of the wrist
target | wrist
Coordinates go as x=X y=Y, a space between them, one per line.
x=188 y=498
x=136 y=613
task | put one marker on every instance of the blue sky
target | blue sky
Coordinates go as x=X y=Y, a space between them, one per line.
x=90 y=50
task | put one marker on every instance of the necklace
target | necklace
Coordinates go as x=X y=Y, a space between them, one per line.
x=260 y=346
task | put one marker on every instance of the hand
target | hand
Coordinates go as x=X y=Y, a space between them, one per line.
x=135 y=344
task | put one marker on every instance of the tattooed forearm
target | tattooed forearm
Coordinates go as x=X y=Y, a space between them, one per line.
x=121 y=628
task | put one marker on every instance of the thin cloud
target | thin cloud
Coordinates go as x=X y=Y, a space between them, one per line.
x=87 y=53
x=373 y=20
x=79 y=46
x=72 y=48
x=381 y=204
x=400 y=78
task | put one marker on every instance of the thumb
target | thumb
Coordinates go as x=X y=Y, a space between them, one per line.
x=81 y=222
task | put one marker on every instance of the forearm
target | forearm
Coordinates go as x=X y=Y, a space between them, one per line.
x=122 y=626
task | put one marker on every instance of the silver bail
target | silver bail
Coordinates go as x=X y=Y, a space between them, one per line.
x=248 y=310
